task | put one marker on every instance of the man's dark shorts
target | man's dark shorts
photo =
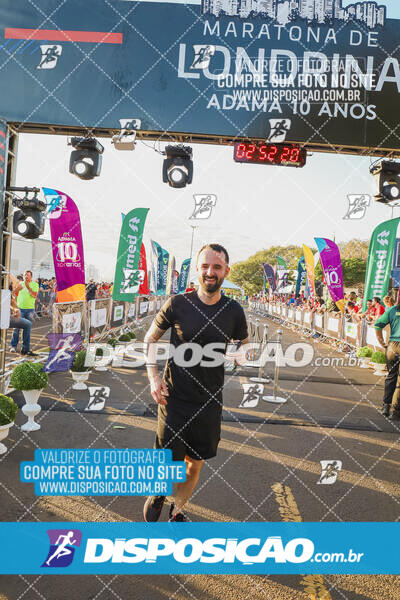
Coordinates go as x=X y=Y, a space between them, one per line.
x=188 y=429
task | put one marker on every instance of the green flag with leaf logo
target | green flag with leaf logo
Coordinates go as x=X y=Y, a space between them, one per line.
x=380 y=259
x=128 y=277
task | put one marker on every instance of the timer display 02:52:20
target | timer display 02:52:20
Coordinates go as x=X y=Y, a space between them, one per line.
x=288 y=155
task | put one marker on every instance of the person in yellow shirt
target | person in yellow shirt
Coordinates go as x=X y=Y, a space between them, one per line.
x=26 y=298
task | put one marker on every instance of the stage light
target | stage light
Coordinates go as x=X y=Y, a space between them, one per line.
x=85 y=161
x=178 y=166
x=29 y=219
x=387 y=174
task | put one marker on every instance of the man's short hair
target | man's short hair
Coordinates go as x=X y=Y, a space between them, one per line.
x=216 y=248
x=28 y=271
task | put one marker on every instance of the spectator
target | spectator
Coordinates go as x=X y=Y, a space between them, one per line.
x=191 y=288
x=18 y=322
x=388 y=302
x=28 y=291
x=370 y=312
x=91 y=290
x=379 y=309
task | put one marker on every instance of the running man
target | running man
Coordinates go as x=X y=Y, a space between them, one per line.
x=190 y=397
x=62 y=549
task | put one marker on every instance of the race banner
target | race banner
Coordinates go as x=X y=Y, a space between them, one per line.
x=127 y=274
x=184 y=276
x=171 y=269
x=157 y=268
x=175 y=279
x=332 y=268
x=309 y=261
x=270 y=275
x=62 y=351
x=281 y=272
x=380 y=259
x=144 y=285
x=164 y=271
x=316 y=72
x=301 y=275
x=67 y=245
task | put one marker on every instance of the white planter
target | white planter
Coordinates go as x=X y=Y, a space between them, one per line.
x=4 y=429
x=379 y=369
x=364 y=360
x=79 y=379
x=30 y=409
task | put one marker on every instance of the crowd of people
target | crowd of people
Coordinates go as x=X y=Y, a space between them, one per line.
x=353 y=305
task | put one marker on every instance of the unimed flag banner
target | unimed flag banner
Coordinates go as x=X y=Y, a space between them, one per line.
x=127 y=275
x=184 y=276
x=270 y=275
x=380 y=259
x=309 y=260
x=67 y=245
x=332 y=268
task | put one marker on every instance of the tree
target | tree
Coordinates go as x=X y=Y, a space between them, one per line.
x=354 y=249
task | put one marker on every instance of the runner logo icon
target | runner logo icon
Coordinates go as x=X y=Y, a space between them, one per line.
x=62 y=547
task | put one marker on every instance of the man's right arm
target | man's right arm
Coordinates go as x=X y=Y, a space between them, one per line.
x=158 y=387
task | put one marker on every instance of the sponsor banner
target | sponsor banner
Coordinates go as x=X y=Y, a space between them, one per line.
x=99 y=316
x=298 y=70
x=380 y=259
x=281 y=272
x=270 y=275
x=175 y=279
x=117 y=314
x=127 y=273
x=158 y=268
x=309 y=261
x=62 y=351
x=217 y=548
x=71 y=322
x=184 y=276
x=332 y=268
x=67 y=243
x=301 y=275
x=164 y=270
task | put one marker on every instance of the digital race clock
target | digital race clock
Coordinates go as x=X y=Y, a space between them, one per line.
x=288 y=155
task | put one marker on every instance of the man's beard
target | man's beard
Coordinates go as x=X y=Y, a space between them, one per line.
x=210 y=284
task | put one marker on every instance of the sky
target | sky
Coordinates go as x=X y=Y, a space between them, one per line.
x=257 y=205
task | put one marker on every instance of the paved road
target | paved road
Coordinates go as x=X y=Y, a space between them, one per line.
x=267 y=469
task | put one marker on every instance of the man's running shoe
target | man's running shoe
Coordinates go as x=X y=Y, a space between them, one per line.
x=12 y=349
x=152 y=508
x=178 y=518
x=28 y=353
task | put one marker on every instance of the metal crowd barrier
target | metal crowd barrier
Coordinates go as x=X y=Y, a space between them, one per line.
x=96 y=319
x=330 y=325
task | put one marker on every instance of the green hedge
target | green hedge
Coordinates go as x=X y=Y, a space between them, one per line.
x=8 y=410
x=378 y=358
x=124 y=338
x=29 y=376
x=364 y=352
x=78 y=366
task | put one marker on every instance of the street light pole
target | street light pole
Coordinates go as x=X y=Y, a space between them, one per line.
x=191 y=247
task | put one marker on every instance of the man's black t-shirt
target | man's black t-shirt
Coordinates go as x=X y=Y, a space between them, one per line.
x=91 y=291
x=193 y=321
